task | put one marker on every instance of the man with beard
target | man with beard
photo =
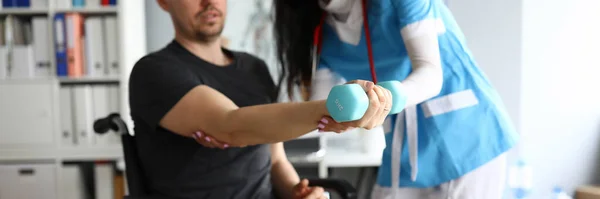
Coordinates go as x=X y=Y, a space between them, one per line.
x=194 y=87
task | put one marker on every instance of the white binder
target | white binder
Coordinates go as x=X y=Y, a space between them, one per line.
x=83 y=115
x=66 y=116
x=104 y=174
x=41 y=44
x=3 y=62
x=73 y=186
x=114 y=98
x=39 y=4
x=93 y=3
x=22 y=62
x=102 y=108
x=111 y=38
x=63 y=4
x=94 y=47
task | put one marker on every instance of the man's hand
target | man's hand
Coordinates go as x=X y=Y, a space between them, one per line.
x=303 y=191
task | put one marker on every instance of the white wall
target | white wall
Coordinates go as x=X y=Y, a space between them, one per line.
x=494 y=37
x=543 y=60
x=158 y=25
x=561 y=94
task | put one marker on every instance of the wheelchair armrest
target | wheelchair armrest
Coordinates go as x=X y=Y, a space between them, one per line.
x=342 y=187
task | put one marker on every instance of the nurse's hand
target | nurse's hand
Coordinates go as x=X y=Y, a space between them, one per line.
x=209 y=141
x=380 y=103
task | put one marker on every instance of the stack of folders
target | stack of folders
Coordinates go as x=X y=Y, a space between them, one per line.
x=62 y=4
x=65 y=4
x=24 y=47
x=25 y=3
x=80 y=106
x=86 y=46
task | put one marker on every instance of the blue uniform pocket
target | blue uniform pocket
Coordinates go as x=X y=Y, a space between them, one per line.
x=449 y=103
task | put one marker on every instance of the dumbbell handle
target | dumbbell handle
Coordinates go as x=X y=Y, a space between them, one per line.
x=349 y=102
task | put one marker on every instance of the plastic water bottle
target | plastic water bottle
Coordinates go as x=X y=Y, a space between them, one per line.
x=520 y=180
x=558 y=193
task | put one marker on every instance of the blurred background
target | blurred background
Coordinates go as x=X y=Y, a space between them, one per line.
x=542 y=56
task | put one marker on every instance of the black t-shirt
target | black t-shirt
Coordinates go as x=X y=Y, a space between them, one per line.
x=177 y=166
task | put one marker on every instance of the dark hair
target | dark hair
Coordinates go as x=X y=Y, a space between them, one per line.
x=294 y=25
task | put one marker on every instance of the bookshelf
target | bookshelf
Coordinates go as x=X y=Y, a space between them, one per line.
x=31 y=106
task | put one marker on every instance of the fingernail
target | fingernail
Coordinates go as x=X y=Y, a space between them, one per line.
x=324 y=121
x=194 y=136
x=226 y=145
x=207 y=139
x=198 y=133
x=320 y=126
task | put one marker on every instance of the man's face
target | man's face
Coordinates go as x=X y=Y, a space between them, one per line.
x=201 y=19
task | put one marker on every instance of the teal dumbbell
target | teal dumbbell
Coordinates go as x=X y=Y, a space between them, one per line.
x=349 y=102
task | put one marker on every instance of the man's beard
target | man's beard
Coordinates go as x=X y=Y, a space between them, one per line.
x=208 y=35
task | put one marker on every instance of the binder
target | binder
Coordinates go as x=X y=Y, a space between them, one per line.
x=103 y=174
x=78 y=3
x=40 y=47
x=2 y=30
x=64 y=4
x=60 y=44
x=74 y=22
x=83 y=115
x=105 y=3
x=114 y=98
x=39 y=3
x=95 y=61
x=92 y=3
x=66 y=116
x=9 y=3
x=3 y=62
x=101 y=108
x=112 y=2
x=23 y=3
x=73 y=185
x=22 y=65
x=111 y=48
x=16 y=27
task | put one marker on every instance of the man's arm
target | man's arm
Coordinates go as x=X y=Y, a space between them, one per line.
x=283 y=175
x=205 y=109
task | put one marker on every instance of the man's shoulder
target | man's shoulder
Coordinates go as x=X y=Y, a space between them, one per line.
x=249 y=61
x=246 y=57
x=156 y=57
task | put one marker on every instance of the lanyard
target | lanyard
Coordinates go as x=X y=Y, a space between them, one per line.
x=318 y=36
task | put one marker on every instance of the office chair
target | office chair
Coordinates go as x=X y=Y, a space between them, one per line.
x=135 y=177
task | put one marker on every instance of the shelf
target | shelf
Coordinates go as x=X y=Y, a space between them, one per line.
x=26 y=154
x=348 y=158
x=91 y=153
x=88 y=80
x=23 y=11
x=87 y=10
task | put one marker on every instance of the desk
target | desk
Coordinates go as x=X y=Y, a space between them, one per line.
x=345 y=158
x=356 y=148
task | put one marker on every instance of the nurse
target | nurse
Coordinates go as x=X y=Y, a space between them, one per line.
x=451 y=139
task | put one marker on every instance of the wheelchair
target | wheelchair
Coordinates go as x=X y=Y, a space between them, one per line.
x=134 y=175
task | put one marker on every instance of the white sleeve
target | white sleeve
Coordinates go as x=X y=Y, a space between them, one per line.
x=426 y=79
x=324 y=81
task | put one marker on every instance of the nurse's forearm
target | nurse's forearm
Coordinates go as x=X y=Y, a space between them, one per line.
x=426 y=78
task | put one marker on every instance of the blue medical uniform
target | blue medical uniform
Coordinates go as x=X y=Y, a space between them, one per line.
x=459 y=130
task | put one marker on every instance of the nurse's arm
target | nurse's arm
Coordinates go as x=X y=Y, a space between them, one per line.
x=425 y=80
